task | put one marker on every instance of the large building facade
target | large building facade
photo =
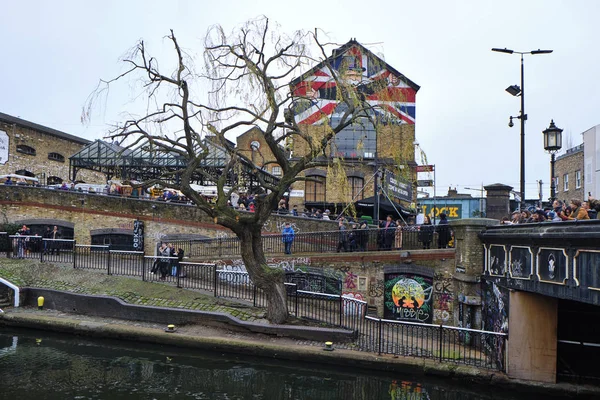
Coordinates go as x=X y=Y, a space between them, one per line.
x=569 y=175
x=364 y=156
x=33 y=150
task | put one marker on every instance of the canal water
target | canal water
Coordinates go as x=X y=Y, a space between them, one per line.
x=41 y=365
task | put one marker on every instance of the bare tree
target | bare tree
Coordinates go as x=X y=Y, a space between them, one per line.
x=248 y=75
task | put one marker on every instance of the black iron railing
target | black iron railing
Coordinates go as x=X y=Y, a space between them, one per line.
x=351 y=240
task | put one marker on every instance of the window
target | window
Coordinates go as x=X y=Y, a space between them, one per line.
x=556 y=184
x=315 y=189
x=566 y=182
x=577 y=179
x=56 y=157
x=276 y=171
x=21 y=148
x=358 y=140
x=54 y=180
x=356 y=185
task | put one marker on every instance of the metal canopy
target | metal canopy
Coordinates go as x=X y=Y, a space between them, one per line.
x=144 y=163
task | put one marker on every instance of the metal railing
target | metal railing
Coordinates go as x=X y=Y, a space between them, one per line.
x=351 y=240
x=401 y=338
x=444 y=343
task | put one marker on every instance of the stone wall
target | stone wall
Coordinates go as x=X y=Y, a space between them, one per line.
x=88 y=212
x=372 y=276
x=44 y=143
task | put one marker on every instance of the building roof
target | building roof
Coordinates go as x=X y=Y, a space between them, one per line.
x=339 y=51
x=9 y=119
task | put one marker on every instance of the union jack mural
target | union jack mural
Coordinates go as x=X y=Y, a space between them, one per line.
x=390 y=93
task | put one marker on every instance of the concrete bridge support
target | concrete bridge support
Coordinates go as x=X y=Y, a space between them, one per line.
x=532 y=344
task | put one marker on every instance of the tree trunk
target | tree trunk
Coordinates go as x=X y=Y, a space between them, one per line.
x=270 y=280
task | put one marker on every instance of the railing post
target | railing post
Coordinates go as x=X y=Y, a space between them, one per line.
x=254 y=295
x=380 y=336
x=108 y=261
x=296 y=299
x=42 y=252
x=220 y=247
x=215 y=280
x=74 y=253
x=441 y=342
x=341 y=309
x=143 y=267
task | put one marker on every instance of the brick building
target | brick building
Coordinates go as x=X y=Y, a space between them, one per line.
x=569 y=177
x=252 y=145
x=361 y=154
x=30 y=149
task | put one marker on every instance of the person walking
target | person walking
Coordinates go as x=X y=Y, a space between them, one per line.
x=426 y=233
x=342 y=237
x=443 y=231
x=389 y=233
x=288 y=237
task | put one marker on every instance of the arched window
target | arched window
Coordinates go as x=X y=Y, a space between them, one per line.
x=24 y=172
x=356 y=187
x=54 y=180
x=21 y=148
x=315 y=189
x=56 y=157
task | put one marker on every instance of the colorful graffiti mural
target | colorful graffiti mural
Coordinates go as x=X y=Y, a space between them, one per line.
x=391 y=95
x=408 y=297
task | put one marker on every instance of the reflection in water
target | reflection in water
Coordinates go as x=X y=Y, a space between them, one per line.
x=46 y=366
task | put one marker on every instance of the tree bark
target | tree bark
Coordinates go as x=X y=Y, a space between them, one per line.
x=270 y=280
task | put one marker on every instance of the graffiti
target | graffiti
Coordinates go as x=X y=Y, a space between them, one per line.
x=350 y=280
x=441 y=315
x=376 y=288
x=408 y=297
x=443 y=293
x=494 y=313
x=520 y=262
x=274 y=226
x=233 y=273
x=314 y=282
x=552 y=265
x=352 y=307
x=497 y=260
x=289 y=264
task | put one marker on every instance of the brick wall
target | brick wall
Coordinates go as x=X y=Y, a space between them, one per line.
x=570 y=163
x=44 y=144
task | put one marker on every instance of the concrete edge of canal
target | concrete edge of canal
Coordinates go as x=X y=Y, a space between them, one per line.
x=310 y=354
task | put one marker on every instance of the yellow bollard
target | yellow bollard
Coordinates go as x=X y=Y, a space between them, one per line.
x=40 y=303
x=328 y=346
x=170 y=328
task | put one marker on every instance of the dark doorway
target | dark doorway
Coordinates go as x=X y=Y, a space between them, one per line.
x=578 y=342
x=115 y=240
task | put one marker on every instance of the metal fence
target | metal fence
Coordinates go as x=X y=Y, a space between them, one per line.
x=401 y=338
x=444 y=343
x=351 y=240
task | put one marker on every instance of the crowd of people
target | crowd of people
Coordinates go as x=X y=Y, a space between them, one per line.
x=168 y=261
x=575 y=211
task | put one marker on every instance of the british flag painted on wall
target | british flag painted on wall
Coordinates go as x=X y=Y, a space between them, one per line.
x=390 y=93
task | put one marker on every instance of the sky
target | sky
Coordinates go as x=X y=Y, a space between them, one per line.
x=52 y=55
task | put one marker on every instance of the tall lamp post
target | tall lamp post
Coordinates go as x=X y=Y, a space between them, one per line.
x=552 y=144
x=516 y=91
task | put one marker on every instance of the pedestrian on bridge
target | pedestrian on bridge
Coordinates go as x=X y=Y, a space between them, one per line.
x=288 y=237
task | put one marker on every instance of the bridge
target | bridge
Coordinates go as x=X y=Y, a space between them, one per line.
x=549 y=276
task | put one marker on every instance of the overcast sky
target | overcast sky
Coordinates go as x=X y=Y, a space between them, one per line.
x=53 y=53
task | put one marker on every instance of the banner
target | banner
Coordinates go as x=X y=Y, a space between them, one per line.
x=138 y=235
x=396 y=188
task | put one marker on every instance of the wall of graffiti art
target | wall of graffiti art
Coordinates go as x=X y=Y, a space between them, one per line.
x=408 y=297
x=494 y=307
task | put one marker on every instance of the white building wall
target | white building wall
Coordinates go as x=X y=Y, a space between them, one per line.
x=591 y=156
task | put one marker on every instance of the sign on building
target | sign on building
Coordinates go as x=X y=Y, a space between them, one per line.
x=425 y=168
x=3 y=147
x=138 y=235
x=397 y=188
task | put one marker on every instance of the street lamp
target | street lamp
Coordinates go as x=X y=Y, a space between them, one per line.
x=552 y=144
x=520 y=91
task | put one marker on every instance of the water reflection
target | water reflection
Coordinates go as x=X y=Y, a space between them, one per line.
x=46 y=366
